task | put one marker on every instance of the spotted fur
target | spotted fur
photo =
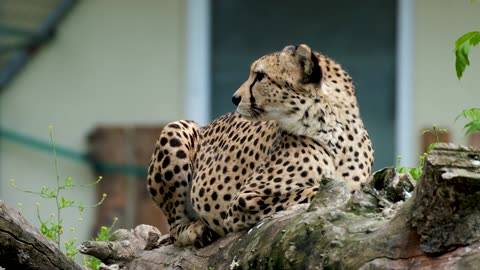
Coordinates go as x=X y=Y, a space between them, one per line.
x=297 y=120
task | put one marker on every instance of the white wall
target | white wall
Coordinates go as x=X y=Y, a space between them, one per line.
x=117 y=62
x=439 y=95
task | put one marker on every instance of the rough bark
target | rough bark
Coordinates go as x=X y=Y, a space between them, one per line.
x=437 y=227
x=23 y=247
x=447 y=205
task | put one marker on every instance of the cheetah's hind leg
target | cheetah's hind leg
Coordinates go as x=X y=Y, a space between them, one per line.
x=169 y=182
x=253 y=203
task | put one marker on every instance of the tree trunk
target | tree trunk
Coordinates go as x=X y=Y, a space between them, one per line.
x=437 y=227
x=23 y=247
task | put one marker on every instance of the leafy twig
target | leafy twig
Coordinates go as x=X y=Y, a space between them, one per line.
x=462 y=50
x=473 y=115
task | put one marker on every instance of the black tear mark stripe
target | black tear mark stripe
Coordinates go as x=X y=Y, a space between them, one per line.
x=258 y=78
x=255 y=109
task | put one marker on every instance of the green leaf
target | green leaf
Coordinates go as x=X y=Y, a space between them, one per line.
x=472 y=127
x=473 y=115
x=103 y=234
x=416 y=173
x=432 y=146
x=70 y=249
x=68 y=182
x=462 y=50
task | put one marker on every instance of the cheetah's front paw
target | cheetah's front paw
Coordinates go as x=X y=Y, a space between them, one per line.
x=196 y=233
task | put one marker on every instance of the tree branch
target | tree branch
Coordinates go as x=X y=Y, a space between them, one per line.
x=23 y=247
x=385 y=226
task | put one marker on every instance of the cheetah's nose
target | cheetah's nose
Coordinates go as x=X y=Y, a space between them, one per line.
x=236 y=100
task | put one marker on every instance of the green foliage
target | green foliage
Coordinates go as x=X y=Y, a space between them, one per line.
x=435 y=131
x=416 y=172
x=52 y=227
x=70 y=249
x=462 y=50
x=473 y=115
x=103 y=235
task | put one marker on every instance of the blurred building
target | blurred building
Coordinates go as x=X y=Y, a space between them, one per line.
x=143 y=63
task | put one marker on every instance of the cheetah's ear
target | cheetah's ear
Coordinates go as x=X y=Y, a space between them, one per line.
x=309 y=64
x=289 y=48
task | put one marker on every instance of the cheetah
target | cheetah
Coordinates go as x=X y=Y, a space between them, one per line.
x=297 y=120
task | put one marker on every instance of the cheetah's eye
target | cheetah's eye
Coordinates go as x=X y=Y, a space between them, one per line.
x=259 y=76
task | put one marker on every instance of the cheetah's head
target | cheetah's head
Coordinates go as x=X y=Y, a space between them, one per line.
x=296 y=87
